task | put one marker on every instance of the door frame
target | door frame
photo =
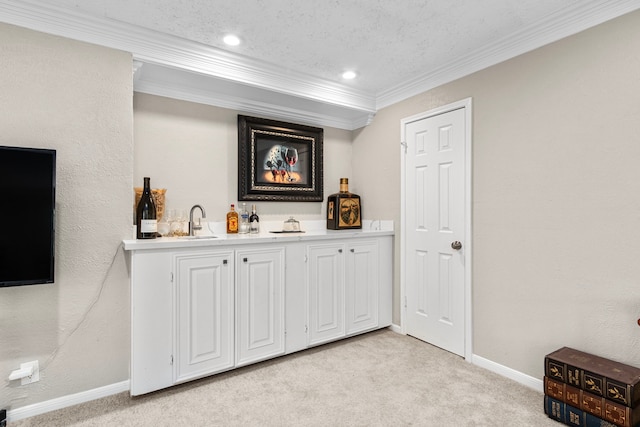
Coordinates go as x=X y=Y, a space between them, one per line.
x=466 y=104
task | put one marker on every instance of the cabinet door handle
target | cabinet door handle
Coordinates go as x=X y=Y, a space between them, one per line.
x=224 y=262
x=353 y=250
x=339 y=251
x=244 y=260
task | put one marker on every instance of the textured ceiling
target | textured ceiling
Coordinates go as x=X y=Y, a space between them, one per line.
x=386 y=42
x=294 y=52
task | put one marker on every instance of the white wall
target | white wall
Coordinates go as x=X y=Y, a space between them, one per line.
x=556 y=195
x=192 y=151
x=78 y=99
x=75 y=98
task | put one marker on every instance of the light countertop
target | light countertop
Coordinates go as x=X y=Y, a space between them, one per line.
x=215 y=235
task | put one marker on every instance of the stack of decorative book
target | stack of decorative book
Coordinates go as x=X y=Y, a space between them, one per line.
x=585 y=390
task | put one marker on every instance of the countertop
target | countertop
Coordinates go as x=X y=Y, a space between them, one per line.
x=215 y=235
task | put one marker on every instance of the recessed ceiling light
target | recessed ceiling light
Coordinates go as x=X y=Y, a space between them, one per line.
x=348 y=75
x=231 y=40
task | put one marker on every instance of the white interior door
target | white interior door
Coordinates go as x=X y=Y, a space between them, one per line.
x=434 y=228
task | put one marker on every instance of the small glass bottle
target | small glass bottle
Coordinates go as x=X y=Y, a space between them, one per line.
x=146 y=214
x=343 y=209
x=243 y=226
x=232 y=221
x=254 y=221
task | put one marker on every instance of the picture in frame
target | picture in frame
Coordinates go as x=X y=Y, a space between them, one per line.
x=279 y=161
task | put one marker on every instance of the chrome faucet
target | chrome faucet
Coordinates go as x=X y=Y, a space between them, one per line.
x=192 y=226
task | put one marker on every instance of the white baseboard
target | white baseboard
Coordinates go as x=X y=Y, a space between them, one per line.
x=517 y=376
x=396 y=328
x=66 y=401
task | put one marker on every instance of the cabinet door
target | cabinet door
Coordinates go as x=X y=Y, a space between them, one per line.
x=204 y=314
x=259 y=304
x=151 y=321
x=326 y=292
x=362 y=286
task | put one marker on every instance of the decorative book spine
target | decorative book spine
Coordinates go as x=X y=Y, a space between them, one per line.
x=612 y=380
x=562 y=412
x=562 y=391
x=600 y=407
x=621 y=415
x=569 y=415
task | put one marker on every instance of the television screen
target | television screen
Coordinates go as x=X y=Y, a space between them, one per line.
x=27 y=211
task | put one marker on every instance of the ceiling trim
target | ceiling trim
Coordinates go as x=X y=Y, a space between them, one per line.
x=259 y=109
x=294 y=96
x=564 y=23
x=161 y=49
x=178 y=84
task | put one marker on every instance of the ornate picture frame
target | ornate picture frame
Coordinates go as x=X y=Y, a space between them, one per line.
x=279 y=161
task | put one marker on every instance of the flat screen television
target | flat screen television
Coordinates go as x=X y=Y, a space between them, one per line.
x=27 y=215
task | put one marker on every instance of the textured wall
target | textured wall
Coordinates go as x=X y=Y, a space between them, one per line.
x=192 y=151
x=556 y=220
x=555 y=187
x=75 y=98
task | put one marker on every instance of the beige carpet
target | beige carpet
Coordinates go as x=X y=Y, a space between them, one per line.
x=378 y=379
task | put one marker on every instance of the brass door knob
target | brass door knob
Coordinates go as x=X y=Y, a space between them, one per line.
x=456 y=245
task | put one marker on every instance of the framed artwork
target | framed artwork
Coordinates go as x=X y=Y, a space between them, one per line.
x=279 y=161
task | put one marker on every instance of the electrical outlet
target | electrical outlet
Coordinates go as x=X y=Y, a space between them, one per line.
x=36 y=372
x=28 y=373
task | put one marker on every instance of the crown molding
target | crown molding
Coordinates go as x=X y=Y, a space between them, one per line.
x=179 y=84
x=171 y=64
x=564 y=23
x=159 y=49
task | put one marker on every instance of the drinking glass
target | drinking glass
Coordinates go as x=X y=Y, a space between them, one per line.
x=177 y=221
x=290 y=158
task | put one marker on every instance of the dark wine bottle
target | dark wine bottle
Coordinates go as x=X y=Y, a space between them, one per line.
x=254 y=221
x=146 y=215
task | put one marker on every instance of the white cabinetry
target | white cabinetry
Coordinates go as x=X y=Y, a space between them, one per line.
x=204 y=313
x=343 y=289
x=362 y=289
x=151 y=321
x=203 y=307
x=326 y=292
x=259 y=304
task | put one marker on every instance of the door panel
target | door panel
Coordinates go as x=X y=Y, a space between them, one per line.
x=434 y=219
x=260 y=305
x=362 y=287
x=326 y=293
x=204 y=314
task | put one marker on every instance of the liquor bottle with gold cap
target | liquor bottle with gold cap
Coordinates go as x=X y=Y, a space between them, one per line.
x=232 y=221
x=343 y=209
